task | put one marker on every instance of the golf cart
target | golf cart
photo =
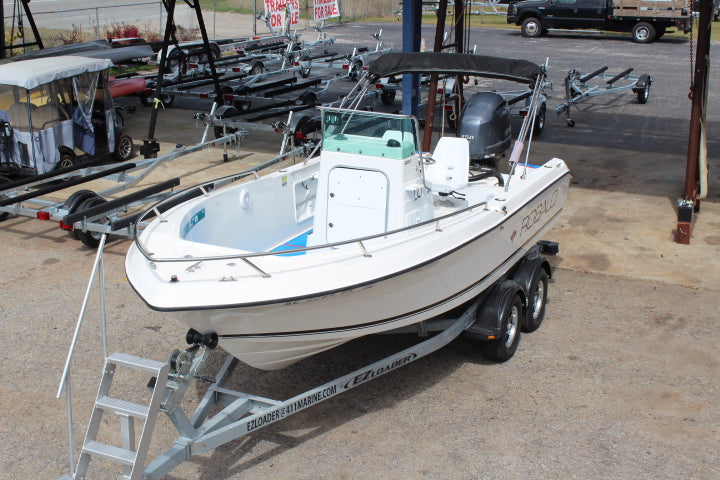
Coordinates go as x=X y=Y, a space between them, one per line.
x=56 y=111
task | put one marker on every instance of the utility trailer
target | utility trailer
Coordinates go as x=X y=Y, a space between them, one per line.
x=87 y=214
x=581 y=86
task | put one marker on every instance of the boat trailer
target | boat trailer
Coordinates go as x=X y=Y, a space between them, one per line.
x=577 y=88
x=223 y=414
x=86 y=214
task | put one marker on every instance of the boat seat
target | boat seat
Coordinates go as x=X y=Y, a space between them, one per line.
x=46 y=116
x=450 y=166
x=19 y=115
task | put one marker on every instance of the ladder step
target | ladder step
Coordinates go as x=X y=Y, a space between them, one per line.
x=110 y=452
x=138 y=363
x=123 y=407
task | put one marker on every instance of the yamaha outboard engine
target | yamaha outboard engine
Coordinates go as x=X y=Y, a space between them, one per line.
x=485 y=122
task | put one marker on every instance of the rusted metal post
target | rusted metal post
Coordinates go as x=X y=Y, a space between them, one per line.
x=689 y=204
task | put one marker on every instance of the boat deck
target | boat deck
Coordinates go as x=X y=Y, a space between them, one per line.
x=293 y=244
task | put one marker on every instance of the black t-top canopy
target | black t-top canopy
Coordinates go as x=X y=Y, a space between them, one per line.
x=454 y=63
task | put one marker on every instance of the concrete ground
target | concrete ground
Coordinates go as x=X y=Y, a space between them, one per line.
x=620 y=382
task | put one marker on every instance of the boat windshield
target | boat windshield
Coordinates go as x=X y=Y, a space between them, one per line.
x=369 y=133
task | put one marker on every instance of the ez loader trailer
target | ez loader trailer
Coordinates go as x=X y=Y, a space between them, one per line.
x=87 y=214
x=578 y=87
x=515 y=302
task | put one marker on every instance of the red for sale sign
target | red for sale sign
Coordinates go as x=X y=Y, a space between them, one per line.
x=325 y=9
x=278 y=9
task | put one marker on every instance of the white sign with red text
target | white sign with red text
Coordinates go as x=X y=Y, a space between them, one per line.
x=325 y=9
x=275 y=12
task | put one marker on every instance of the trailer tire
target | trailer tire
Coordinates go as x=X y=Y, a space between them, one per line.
x=90 y=239
x=355 y=70
x=643 y=32
x=531 y=28
x=167 y=100
x=73 y=202
x=537 y=298
x=3 y=180
x=256 y=69
x=504 y=347
x=308 y=98
x=387 y=97
x=67 y=160
x=643 y=94
x=123 y=148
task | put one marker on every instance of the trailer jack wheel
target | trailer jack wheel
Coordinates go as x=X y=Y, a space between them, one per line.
x=570 y=122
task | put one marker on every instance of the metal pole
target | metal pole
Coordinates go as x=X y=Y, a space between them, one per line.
x=71 y=446
x=690 y=203
x=81 y=316
x=103 y=318
x=2 y=30
x=432 y=93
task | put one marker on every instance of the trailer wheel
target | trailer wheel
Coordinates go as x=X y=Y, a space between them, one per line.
x=643 y=94
x=73 y=202
x=90 y=239
x=537 y=297
x=504 y=347
x=167 y=100
x=3 y=180
x=355 y=70
x=308 y=98
x=67 y=160
x=643 y=32
x=387 y=97
x=256 y=69
x=531 y=27
x=123 y=148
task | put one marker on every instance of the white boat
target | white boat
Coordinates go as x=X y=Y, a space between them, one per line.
x=367 y=237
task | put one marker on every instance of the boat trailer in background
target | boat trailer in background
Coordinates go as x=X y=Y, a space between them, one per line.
x=87 y=214
x=578 y=88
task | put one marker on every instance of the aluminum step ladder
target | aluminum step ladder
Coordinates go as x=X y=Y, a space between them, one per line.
x=132 y=459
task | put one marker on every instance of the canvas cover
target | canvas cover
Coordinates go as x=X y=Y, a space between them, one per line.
x=39 y=71
x=454 y=63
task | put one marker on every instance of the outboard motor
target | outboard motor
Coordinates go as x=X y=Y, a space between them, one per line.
x=485 y=122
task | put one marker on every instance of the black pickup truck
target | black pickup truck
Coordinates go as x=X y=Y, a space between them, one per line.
x=646 y=20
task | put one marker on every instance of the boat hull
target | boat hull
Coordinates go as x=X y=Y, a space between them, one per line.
x=278 y=332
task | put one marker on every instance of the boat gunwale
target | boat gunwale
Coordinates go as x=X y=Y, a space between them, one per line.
x=363 y=284
x=246 y=255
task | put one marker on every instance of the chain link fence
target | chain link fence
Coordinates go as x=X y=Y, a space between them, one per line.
x=147 y=20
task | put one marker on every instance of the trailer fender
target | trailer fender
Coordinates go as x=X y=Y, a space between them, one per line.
x=226 y=111
x=493 y=308
x=532 y=273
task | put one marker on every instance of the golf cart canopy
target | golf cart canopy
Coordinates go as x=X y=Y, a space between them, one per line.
x=454 y=63
x=33 y=73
